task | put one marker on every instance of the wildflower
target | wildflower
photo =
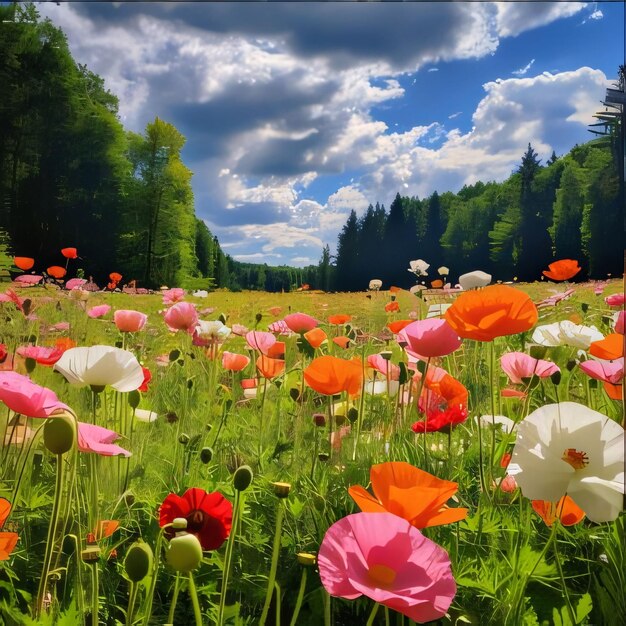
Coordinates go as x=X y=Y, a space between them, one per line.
x=316 y=337
x=209 y=515
x=519 y=366
x=99 y=440
x=41 y=354
x=566 y=510
x=23 y=396
x=339 y=319
x=562 y=270
x=474 y=280
x=418 y=267
x=260 y=340
x=375 y=284
x=413 y=494
x=445 y=403
x=300 y=322
x=392 y=307
x=172 y=296
x=129 y=321
x=56 y=271
x=234 y=362
x=566 y=333
x=23 y=262
x=182 y=316
x=143 y=415
x=270 y=368
x=567 y=448
x=609 y=348
x=429 y=338
x=385 y=558
x=616 y=299
x=98 y=311
x=330 y=375
x=209 y=333
x=69 y=253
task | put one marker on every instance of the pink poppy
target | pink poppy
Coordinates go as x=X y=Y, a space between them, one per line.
x=513 y=393
x=60 y=327
x=337 y=436
x=28 y=279
x=620 y=322
x=25 y=397
x=382 y=365
x=234 y=362
x=128 y=321
x=429 y=338
x=617 y=299
x=182 y=316
x=10 y=296
x=43 y=355
x=519 y=366
x=384 y=557
x=260 y=340
x=98 y=311
x=92 y=438
x=280 y=328
x=606 y=371
x=172 y=296
x=275 y=311
x=508 y=484
x=74 y=283
x=239 y=329
x=207 y=310
x=249 y=383
x=300 y=322
x=554 y=300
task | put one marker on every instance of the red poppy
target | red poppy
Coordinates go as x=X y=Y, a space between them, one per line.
x=115 y=277
x=392 y=307
x=147 y=377
x=209 y=515
x=69 y=253
x=562 y=270
x=276 y=350
x=609 y=348
x=3 y=352
x=436 y=284
x=8 y=541
x=105 y=528
x=24 y=262
x=445 y=403
x=56 y=271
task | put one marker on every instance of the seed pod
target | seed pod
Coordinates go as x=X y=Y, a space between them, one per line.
x=281 y=489
x=133 y=399
x=138 y=561
x=184 y=439
x=184 y=552
x=206 y=454
x=243 y=477
x=555 y=378
x=59 y=433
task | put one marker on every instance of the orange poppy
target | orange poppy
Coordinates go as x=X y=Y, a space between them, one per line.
x=24 y=262
x=115 y=277
x=394 y=289
x=491 y=312
x=562 y=270
x=398 y=325
x=269 y=368
x=565 y=509
x=409 y=492
x=437 y=283
x=609 y=348
x=64 y=343
x=56 y=271
x=342 y=341
x=392 y=307
x=276 y=350
x=8 y=541
x=339 y=319
x=106 y=528
x=5 y=509
x=316 y=337
x=613 y=391
x=69 y=253
x=330 y=375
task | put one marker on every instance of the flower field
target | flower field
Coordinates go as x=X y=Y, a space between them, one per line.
x=390 y=457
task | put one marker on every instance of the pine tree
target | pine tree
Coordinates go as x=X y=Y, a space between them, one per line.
x=348 y=256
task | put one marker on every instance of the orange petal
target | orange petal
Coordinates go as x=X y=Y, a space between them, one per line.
x=614 y=392
x=8 y=541
x=365 y=501
x=609 y=348
x=5 y=509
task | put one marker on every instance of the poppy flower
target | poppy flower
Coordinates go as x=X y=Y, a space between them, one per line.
x=398 y=325
x=5 y=509
x=98 y=311
x=565 y=510
x=617 y=299
x=210 y=333
x=383 y=557
x=443 y=271
x=147 y=377
x=280 y=328
x=620 y=322
x=429 y=338
x=436 y=284
x=260 y=340
x=3 y=352
x=445 y=403
x=566 y=333
x=316 y=337
x=330 y=375
x=172 y=296
x=115 y=277
x=339 y=319
x=143 y=415
x=105 y=528
x=567 y=448
x=342 y=341
x=23 y=262
x=181 y=316
x=128 y=321
x=41 y=354
x=234 y=362
x=375 y=284
x=209 y=515
x=270 y=368
x=300 y=322
x=609 y=348
x=384 y=366
x=275 y=310
x=10 y=296
x=413 y=494
x=494 y=311
x=555 y=299
x=99 y=440
x=392 y=307
x=8 y=541
x=562 y=270
x=69 y=253
x=99 y=366
x=75 y=283
x=28 y=279
x=606 y=371
x=25 y=397
x=519 y=366
x=418 y=267
x=276 y=351
x=474 y=280
x=56 y=271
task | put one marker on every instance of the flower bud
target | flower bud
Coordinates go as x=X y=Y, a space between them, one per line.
x=184 y=552
x=184 y=439
x=242 y=477
x=555 y=377
x=281 y=489
x=206 y=454
x=306 y=559
x=30 y=364
x=538 y=352
x=138 y=561
x=59 y=433
x=319 y=419
x=91 y=554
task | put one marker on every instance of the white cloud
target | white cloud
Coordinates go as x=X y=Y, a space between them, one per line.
x=523 y=70
x=513 y=18
x=454 y=115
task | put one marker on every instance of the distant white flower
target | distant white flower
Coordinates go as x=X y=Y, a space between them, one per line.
x=379 y=387
x=566 y=333
x=443 y=271
x=201 y=293
x=375 y=284
x=143 y=415
x=475 y=279
x=99 y=366
x=567 y=448
x=419 y=267
x=209 y=333
x=506 y=423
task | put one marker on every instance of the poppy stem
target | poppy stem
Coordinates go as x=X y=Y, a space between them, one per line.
x=372 y=616
x=154 y=574
x=300 y=598
x=194 y=600
x=274 y=566
x=132 y=597
x=228 y=557
x=95 y=598
x=557 y=559
x=170 y=615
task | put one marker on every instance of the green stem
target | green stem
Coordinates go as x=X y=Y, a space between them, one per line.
x=327 y=608
x=274 y=566
x=194 y=600
x=170 y=615
x=300 y=598
x=95 y=600
x=372 y=616
x=52 y=529
x=132 y=597
x=229 y=556
x=568 y=602
x=155 y=572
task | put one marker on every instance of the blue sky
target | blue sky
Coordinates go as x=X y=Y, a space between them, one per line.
x=297 y=113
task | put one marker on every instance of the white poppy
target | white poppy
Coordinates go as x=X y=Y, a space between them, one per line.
x=379 y=387
x=99 y=366
x=143 y=415
x=443 y=271
x=201 y=293
x=475 y=279
x=566 y=333
x=506 y=423
x=418 y=267
x=375 y=284
x=213 y=332
x=567 y=448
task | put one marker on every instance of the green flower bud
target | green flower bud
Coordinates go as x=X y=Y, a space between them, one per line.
x=138 y=561
x=133 y=399
x=59 y=433
x=243 y=477
x=206 y=454
x=555 y=378
x=184 y=439
x=184 y=553
x=282 y=489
